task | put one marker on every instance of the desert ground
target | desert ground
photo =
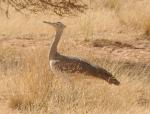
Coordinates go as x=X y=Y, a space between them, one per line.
x=113 y=34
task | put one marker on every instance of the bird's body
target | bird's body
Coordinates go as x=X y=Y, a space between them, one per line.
x=70 y=65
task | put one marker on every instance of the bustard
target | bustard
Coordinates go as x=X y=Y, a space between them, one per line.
x=66 y=64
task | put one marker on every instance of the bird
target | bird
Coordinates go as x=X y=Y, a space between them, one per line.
x=71 y=65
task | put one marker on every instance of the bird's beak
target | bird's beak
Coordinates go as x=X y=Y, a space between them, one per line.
x=48 y=22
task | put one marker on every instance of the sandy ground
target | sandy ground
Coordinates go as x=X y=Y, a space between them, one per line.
x=130 y=47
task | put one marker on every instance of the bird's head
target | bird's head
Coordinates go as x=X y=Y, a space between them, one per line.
x=57 y=25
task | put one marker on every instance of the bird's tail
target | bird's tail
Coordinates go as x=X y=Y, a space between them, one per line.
x=108 y=76
x=113 y=80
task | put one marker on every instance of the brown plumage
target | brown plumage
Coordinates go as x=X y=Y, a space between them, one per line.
x=66 y=64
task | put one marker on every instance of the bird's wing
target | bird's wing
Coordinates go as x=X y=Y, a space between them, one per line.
x=77 y=65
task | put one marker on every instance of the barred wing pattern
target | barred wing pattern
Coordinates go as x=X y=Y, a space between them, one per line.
x=74 y=65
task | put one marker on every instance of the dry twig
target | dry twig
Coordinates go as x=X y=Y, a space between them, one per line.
x=60 y=7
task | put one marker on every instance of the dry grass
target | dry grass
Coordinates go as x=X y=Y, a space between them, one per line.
x=133 y=14
x=28 y=86
x=112 y=4
x=146 y=25
x=35 y=89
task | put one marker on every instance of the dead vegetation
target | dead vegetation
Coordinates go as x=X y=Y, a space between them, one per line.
x=35 y=89
x=60 y=7
x=28 y=86
x=107 y=43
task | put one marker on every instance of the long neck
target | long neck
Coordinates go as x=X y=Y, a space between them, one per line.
x=53 y=47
